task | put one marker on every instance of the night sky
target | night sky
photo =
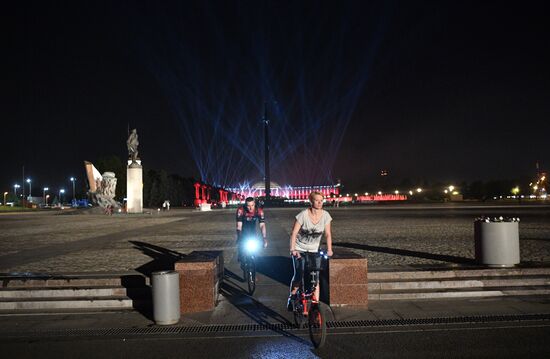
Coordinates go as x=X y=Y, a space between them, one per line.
x=428 y=90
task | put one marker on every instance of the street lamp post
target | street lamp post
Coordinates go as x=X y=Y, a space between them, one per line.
x=44 y=195
x=15 y=187
x=73 y=181
x=61 y=191
x=5 y=194
x=30 y=188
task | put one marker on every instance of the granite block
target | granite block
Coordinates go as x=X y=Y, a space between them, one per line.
x=200 y=276
x=349 y=294
x=348 y=279
x=348 y=271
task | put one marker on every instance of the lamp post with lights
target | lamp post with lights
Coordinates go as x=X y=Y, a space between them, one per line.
x=30 y=188
x=73 y=180
x=44 y=195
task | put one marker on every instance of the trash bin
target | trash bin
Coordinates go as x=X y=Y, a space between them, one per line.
x=166 y=297
x=497 y=241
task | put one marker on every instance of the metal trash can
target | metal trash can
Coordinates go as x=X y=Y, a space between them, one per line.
x=497 y=241
x=166 y=297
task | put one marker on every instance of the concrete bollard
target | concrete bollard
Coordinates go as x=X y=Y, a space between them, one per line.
x=497 y=243
x=166 y=297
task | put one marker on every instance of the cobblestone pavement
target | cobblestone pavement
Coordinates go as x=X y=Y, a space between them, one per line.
x=55 y=242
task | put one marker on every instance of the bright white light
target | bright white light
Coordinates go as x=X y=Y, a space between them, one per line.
x=28 y=180
x=251 y=245
x=419 y=190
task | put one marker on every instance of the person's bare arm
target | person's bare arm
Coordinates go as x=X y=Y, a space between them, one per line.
x=293 y=235
x=328 y=236
x=264 y=233
x=239 y=228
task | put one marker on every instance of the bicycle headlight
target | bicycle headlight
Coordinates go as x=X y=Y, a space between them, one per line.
x=251 y=245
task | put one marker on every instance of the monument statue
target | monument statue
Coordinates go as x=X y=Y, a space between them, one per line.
x=132 y=144
x=134 y=176
x=102 y=187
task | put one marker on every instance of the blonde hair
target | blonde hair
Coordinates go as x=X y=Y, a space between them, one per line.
x=315 y=193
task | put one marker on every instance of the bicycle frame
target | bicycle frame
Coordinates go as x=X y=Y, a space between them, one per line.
x=307 y=292
x=250 y=247
x=307 y=305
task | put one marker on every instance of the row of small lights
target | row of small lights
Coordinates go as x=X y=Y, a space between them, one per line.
x=29 y=181
x=411 y=192
x=451 y=190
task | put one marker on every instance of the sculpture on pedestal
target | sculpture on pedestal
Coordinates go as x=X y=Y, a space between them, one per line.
x=134 y=176
x=133 y=144
x=102 y=187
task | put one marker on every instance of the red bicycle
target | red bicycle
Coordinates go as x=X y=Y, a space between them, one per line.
x=306 y=307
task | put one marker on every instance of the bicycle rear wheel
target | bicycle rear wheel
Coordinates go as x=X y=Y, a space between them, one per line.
x=317 y=325
x=251 y=276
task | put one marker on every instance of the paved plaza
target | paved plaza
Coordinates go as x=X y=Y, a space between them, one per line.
x=77 y=241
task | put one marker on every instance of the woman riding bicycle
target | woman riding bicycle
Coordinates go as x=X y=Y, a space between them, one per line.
x=308 y=230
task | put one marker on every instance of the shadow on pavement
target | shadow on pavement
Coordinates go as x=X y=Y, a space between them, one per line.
x=408 y=253
x=252 y=308
x=278 y=268
x=163 y=259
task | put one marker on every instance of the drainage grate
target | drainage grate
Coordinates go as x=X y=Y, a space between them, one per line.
x=232 y=328
x=443 y=320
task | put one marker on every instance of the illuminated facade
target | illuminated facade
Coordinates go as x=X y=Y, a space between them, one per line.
x=207 y=194
x=288 y=192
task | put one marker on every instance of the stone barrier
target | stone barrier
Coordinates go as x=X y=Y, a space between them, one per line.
x=344 y=279
x=200 y=276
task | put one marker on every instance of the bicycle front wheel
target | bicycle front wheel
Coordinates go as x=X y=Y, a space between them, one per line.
x=317 y=325
x=251 y=276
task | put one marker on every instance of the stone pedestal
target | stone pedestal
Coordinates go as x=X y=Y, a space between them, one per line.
x=201 y=274
x=134 y=188
x=345 y=280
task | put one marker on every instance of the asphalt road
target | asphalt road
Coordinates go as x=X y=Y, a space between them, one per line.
x=496 y=340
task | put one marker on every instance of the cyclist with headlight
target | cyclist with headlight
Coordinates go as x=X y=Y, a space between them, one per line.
x=248 y=216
